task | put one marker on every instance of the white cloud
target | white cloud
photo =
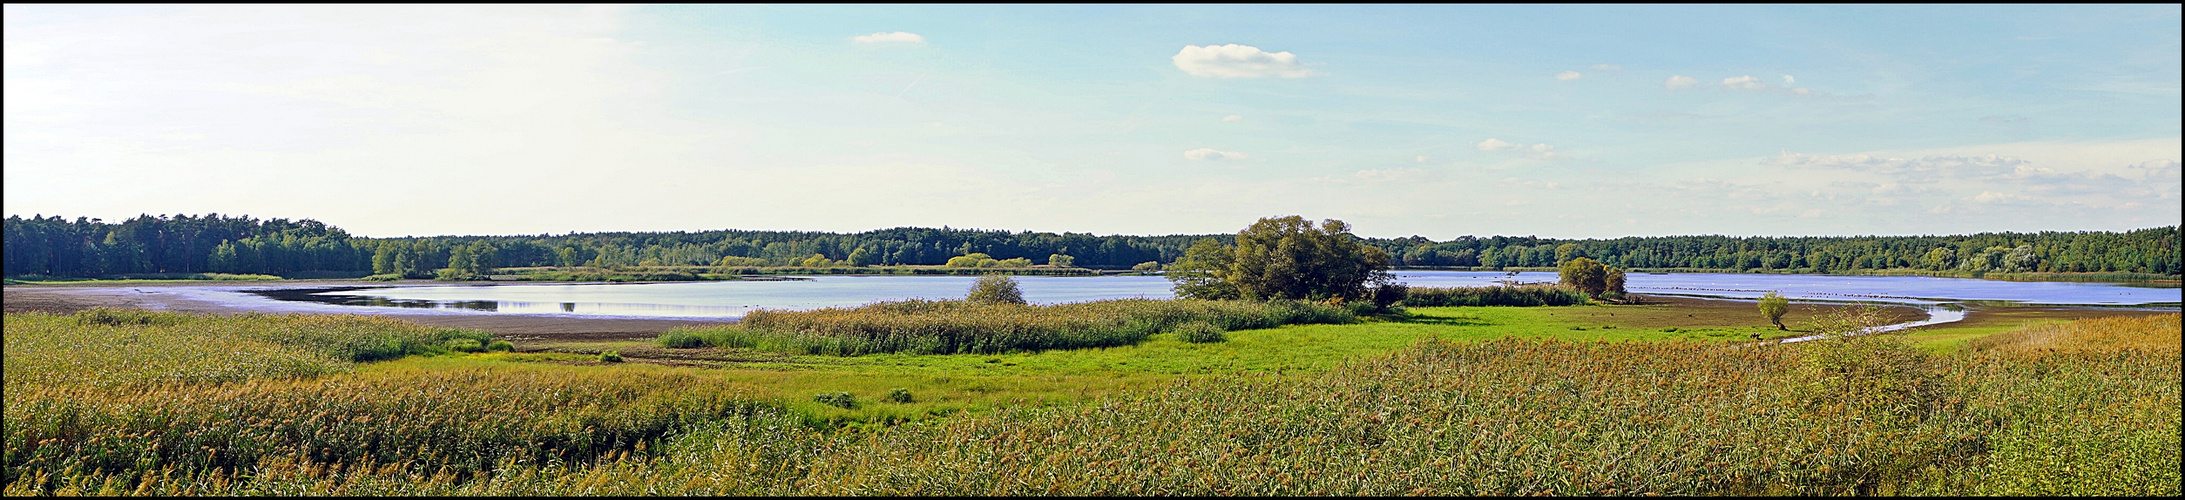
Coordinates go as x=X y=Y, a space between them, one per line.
x=1212 y=154
x=889 y=37
x=1420 y=159
x=1233 y=118
x=1788 y=81
x=1679 y=82
x=1238 y=61
x=1743 y=82
x=1493 y=144
x=1607 y=67
x=1568 y=75
x=1995 y=197
x=1542 y=148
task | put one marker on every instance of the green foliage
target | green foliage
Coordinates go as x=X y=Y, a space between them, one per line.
x=383 y=277
x=1060 y=260
x=971 y=260
x=899 y=395
x=610 y=356
x=1204 y=272
x=841 y=400
x=949 y=327
x=1615 y=282
x=500 y=346
x=52 y=246
x=995 y=289
x=1585 y=275
x=1521 y=296
x=1150 y=265
x=464 y=345
x=735 y=261
x=1774 y=307
x=1200 y=332
x=861 y=257
x=1288 y=258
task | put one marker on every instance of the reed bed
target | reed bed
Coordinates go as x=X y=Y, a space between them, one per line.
x=459 y=422
x=954 y=326
x=109 y=347
x=1854 y=415
x=1468 y=296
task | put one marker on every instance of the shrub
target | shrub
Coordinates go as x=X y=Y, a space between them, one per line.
x=1151 y=265
x=1389 y=295
x=500 y=346
x=995 y=289
x=610 y=356
x=899 y=395
x=970 y=260
x=464 y=345
x=383 y=277
x=841 y=400
x=1200 y=332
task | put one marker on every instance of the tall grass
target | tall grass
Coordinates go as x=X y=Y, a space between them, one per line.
x=419 y=421
x=1522 y=296
x=2021 y=414
x=109 y=347
x=952 y=326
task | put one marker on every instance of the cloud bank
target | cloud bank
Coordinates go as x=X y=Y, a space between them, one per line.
x=1238 y=61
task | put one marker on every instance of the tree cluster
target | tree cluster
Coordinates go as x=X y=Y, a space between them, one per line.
x=1282 y=258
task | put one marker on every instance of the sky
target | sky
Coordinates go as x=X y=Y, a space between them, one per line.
x=1438 y=121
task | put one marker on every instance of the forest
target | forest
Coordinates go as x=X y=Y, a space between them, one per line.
x=214 y=243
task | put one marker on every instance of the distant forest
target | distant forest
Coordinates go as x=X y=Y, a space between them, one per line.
x=53 y=246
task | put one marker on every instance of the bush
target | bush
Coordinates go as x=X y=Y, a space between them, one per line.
x=1147 y=266
x=1389 y=295
x=995 y=289
x=1200 y=332
x=383 y=277
x=500 y=346
x=899 y=395
x=841 y=400
x=464 y=345
x=610 y=356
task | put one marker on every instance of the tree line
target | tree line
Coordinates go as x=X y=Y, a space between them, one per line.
x=54 y=246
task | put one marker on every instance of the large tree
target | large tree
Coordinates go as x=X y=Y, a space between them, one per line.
x=1284 y=258
x=1586 y=275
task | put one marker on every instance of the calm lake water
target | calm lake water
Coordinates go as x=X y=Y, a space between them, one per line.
x=729 y=299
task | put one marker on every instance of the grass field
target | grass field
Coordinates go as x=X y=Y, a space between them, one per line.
x=1572 y=400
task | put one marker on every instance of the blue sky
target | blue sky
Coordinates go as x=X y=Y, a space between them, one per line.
x=1439 y=121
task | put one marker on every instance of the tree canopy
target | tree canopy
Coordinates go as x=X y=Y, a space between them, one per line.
x=1283 y=258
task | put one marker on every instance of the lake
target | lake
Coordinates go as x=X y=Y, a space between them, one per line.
x=730 y=299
